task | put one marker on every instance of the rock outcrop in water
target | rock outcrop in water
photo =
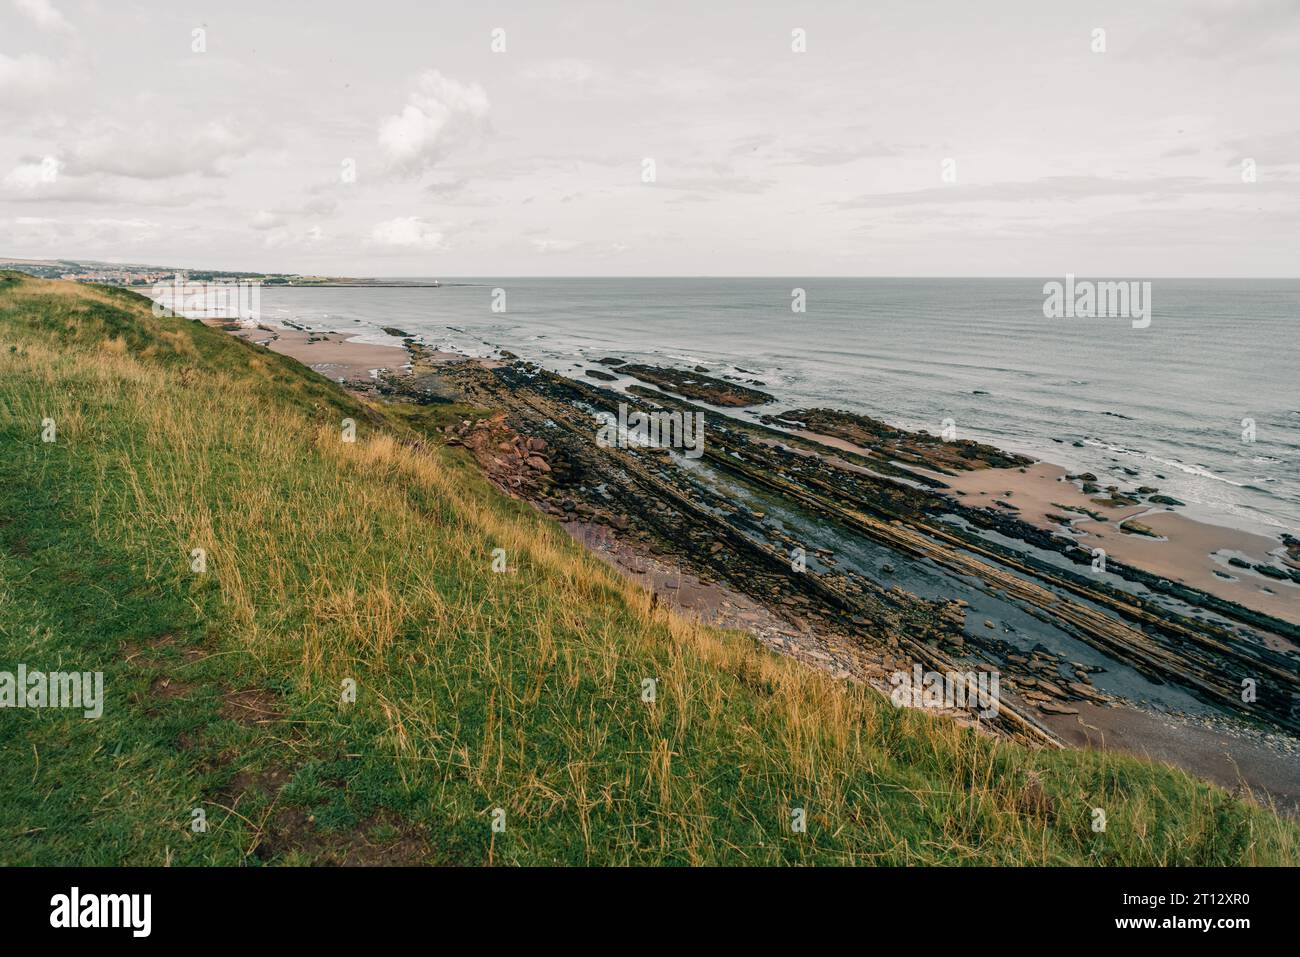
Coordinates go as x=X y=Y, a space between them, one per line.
x=696 y=385
x=883 y=440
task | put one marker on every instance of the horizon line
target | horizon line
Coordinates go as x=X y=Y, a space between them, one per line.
x=440 y=278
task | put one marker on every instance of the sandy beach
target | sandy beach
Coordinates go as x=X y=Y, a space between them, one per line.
x=1183 y=549
x=329 y=353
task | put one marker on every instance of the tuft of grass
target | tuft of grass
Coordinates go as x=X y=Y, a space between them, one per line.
x=368 y=564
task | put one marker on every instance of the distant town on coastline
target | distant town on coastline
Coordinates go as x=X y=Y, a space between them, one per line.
x=141 y=274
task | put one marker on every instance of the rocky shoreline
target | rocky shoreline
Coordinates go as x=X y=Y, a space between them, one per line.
x=848 y=544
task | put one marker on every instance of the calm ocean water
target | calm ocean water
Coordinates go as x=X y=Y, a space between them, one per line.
x=1167 y=401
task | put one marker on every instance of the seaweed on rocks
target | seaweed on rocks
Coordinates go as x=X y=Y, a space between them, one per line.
x=696 y=385
x=916 y=448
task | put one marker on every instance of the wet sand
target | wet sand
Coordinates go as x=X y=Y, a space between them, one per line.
x=1183 y=552
x=1268 y=766
x=330 y=354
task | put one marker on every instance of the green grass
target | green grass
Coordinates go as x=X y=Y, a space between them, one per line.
x=371 y=562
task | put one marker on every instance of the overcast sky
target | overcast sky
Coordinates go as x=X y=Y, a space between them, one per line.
x=118 y=141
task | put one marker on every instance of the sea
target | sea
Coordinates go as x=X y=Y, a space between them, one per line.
x=1203 y=402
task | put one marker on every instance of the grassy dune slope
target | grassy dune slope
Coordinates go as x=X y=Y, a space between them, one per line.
x=475 y=690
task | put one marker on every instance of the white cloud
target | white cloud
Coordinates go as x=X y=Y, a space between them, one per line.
x=45 y=235
x=32 y=176
x=25 y=74
x=154 y=150
x=282 y=236
x=17 y=186
x=319 y=206
x=440 y=116
x=408 y=231
x=266 y=220
x=43 y=14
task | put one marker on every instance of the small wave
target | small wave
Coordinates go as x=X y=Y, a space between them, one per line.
x=375 y=339
x=1197 y=470
x=1121 y=449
